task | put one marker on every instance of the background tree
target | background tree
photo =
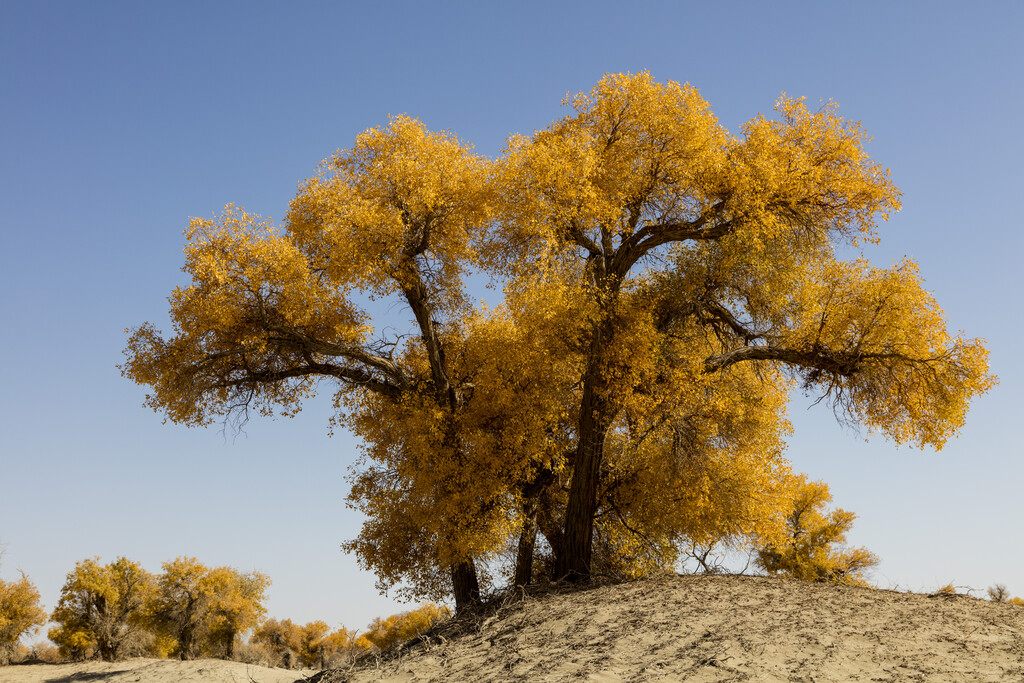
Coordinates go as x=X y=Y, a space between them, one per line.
x=281 y=640
x=312 y=644
x=813 y=550
x=20 y=613
x=102 y=609
x=236 y=605
x=181 y=604
x=338 y=647
x=205 y=609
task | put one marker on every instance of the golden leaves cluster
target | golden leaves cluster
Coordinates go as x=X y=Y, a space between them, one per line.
x=813 y=548
x=20 y=613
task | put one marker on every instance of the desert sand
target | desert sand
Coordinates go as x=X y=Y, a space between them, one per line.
x=724 y=628
x=145 y=670
x=671 y=628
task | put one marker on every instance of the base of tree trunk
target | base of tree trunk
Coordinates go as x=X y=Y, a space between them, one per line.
x=465 y=586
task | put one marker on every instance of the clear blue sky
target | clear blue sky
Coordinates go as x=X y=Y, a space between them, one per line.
x=119 y=121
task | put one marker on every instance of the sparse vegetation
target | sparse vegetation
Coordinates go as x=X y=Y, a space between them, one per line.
x=998 y=593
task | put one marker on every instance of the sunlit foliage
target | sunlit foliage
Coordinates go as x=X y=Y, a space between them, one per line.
x=102 y=610
x=20 y=613
x=398 y=628
x=237 y=606
x=667 y=284
x=204 y=610
x=814 y=547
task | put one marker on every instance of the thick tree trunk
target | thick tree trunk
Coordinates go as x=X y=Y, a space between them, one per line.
x=573 y=560
x=465 y=586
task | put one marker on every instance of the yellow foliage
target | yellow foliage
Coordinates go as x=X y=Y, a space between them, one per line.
x=205 y=610
x=1016 y=601
x=236 y=605
x=102 y=609
x=20 y=613
x=398 y=628
x=282 y=640
x=813 y=548
x=312 y=645
x=667 y=283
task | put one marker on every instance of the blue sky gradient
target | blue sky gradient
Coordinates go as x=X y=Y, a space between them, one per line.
x=120 y=120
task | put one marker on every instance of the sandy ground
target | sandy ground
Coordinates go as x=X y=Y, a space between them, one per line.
x=155 y=670
x=673 y=628
x=726 y=628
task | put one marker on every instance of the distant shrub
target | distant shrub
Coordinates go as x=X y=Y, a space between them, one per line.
x=1016 y=601
x=251 y=653
x=46 y=653
x=998 y=593
x=948 y=589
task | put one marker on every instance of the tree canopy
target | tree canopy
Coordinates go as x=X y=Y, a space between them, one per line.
x=196 y=606
x=102 y=608
x=667 y=285
x=20 y=613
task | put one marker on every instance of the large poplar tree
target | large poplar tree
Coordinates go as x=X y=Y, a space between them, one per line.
x=667 y=284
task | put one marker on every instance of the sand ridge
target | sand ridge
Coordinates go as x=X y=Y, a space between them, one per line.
x=669 y=628
x=725 y=628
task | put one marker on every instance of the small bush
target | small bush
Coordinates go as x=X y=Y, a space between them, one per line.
x=998 y=593
x=250 y=653
x=46 y=653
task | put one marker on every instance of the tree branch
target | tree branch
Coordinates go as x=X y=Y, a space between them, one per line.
x=352 y=375
x=840 y=363
x=640 y=243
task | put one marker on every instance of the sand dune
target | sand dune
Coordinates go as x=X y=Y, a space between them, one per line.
x=672 y=628
x=725 y=628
